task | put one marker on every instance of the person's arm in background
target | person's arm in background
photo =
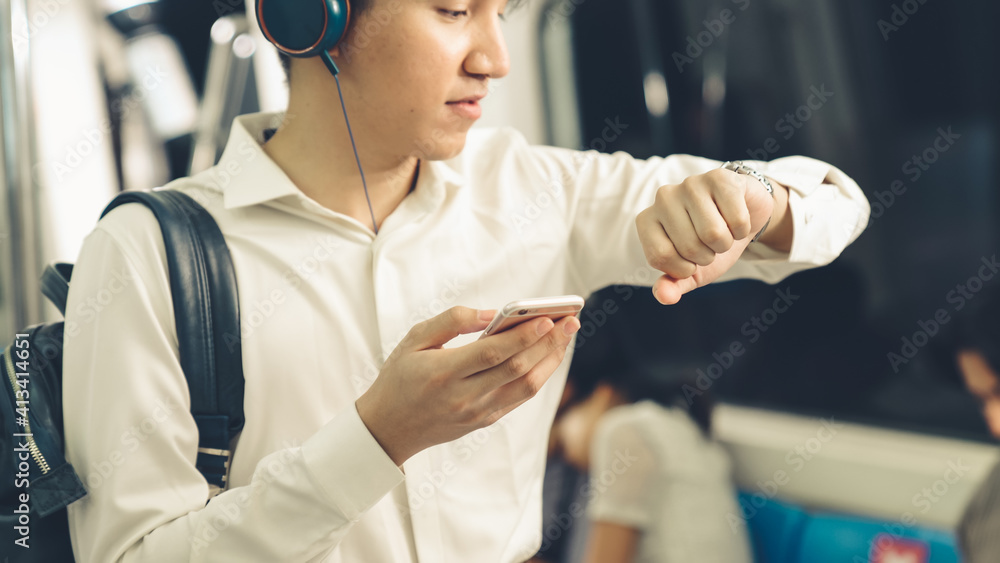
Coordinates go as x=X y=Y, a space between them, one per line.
x=612 y=542
x=621 y=508
x=132 y=439
x=818 y=211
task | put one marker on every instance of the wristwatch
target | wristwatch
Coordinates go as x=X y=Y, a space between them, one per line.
x=740 y=168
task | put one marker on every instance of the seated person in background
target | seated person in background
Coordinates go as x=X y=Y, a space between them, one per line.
x=978 y=357
x=660 y=487
x=564 y=531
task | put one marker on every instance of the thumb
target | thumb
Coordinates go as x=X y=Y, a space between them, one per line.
x=668 y=290
x=760 y=204
x=436 y=331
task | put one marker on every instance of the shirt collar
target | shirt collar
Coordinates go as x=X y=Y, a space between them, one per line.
x=247 y=176
x=245 y=173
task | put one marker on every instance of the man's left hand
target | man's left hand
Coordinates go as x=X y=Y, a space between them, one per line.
x=696 y=230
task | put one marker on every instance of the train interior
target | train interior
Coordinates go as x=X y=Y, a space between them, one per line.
x=850 y=439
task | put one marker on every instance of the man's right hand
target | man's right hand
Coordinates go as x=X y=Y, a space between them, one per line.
x=427 y=395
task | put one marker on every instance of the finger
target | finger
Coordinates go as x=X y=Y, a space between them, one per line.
x=668 y=290
x=524 y=361
x=677 y=223
x=732 y=205
x=492 y=351
x=759 y=202
x=439 y=330
x=709 y=224
x=515 y=393
x=659 y=250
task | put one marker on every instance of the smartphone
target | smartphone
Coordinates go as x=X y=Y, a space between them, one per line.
x=517 y=312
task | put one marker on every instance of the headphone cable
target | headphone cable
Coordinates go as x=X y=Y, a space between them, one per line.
x=336 y=76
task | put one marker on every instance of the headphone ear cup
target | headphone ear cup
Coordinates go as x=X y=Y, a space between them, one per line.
x=303 y=28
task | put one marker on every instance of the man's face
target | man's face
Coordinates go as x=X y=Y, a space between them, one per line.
x=984 y=383
x=414 y=70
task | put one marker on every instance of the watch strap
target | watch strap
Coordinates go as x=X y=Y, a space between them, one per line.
x=739 y=167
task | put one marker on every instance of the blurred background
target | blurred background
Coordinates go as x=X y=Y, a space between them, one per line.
x=101 y=96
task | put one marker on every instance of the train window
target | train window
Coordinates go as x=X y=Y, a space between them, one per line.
x=900 y=94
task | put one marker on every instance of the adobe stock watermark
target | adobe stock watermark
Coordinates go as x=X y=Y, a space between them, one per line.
x=899 y=16
x=220 y=176
x=914 y=169
x=426 y=148
x=370 y=27
x=598 y=484
x=91 y=139
x=130 y=441
x=795 y=460
x=19 y=354
x=43 y=12
x=555 y=189
x=431 y=482
x=447 y=297
x=924 y=501
x=224 y=7
x=610 y=134
x=714 y=28
x=264 y=307
x=788 y=125
x=451 y=291
x=591 y=321
x=958 y=298
x=562 y=10
x=91 y=307
x=753 y=329
x=268 y=470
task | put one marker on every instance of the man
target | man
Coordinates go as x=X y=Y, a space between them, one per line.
x=978 y=360
x=378 y=428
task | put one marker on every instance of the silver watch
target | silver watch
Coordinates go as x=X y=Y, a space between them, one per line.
x=740 y=168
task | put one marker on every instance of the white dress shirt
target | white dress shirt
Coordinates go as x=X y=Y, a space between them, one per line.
x=654 y=470
x=323 y=302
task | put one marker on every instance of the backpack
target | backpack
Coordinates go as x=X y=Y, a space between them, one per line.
x=36 y=482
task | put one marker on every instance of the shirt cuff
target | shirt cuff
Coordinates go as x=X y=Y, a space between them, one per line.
x=348 y=464
x=828 y=210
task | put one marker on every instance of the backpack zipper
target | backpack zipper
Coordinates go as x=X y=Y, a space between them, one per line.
x=32 y=446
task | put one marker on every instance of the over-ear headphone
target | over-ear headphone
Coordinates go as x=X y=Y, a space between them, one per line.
x=305 y=28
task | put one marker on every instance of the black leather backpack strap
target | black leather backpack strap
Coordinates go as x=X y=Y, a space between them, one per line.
x=206 y=309
x=55 y=284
